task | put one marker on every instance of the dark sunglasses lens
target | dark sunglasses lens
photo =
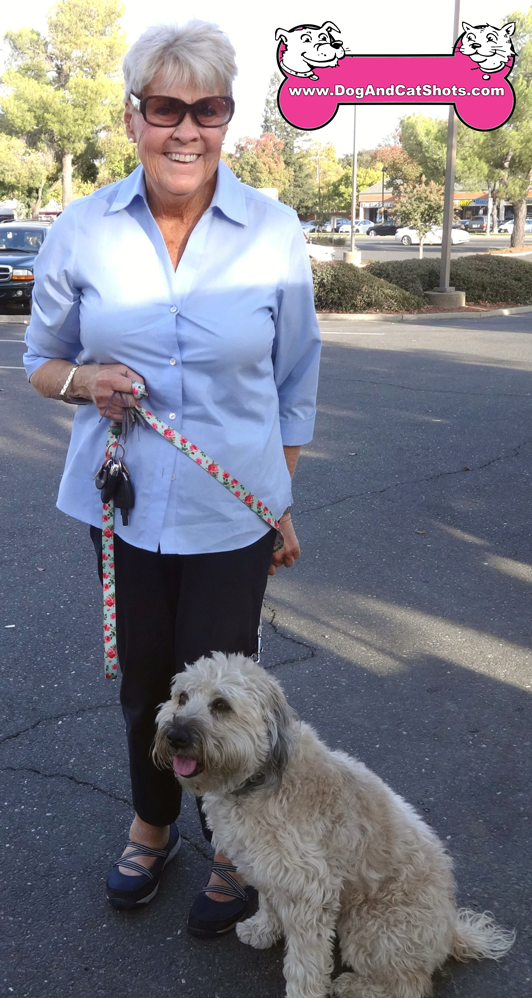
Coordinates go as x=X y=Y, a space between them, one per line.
x=163 y=110
x=213 y=111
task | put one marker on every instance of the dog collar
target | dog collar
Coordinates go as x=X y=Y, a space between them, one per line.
x=292 y=72
x=253 y=783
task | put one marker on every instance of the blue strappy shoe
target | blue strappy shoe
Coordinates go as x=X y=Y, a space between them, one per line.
x=127 y=892
x=208 y=918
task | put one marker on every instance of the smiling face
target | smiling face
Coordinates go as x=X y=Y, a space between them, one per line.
x=486 y=42
x=178 y=162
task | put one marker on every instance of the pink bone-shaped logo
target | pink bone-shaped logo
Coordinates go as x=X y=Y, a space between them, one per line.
x=482 y=101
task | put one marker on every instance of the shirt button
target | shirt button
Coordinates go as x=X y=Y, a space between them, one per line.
x=171 y=415
x=173 y=361
x=173 y=478
x=173 y=309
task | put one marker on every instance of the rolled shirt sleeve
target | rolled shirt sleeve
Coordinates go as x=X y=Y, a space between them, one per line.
x=53 y=332
x=297 y=346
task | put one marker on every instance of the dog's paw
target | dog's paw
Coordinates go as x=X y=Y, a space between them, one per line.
x=257 y=932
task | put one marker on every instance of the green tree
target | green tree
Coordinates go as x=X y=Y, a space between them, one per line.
x=63 y=90
x=341 y=189
x=24 y=172
x=512 y=144
x=420 y=204
x=258 y=162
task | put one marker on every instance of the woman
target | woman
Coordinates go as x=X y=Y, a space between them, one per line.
x=199 y=287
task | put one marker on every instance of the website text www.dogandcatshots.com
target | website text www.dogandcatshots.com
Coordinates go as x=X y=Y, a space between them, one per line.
x=395 y=90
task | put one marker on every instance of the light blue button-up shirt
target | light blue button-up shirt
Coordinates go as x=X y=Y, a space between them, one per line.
x=228 y=346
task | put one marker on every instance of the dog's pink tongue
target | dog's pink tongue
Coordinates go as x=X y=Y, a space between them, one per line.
x=184 y=767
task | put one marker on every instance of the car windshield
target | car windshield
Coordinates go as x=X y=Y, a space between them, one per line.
x=22 y=240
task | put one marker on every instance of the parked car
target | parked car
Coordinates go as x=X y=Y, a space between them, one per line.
x=508 y=225
x=479 y=223
x=19 y=244
x=316 y=252
x=361 y=225
x=408 y=236
x=308 y=226
x=383 y=229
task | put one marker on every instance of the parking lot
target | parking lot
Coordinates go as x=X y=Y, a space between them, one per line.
x=402 y=634
x=384 y=248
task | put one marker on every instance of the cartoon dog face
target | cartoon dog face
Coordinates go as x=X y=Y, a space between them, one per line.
x=489 y=47
x=309 y=46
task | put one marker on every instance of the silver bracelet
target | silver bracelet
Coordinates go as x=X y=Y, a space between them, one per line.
x=68 y=380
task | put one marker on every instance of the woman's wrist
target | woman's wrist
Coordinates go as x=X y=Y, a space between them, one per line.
x=78 y=386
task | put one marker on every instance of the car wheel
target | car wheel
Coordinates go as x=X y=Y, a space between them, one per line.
x=406 y=241
x=372 y=232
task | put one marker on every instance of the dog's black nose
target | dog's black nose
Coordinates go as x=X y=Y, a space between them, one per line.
x=178 y=736
x=336 y=45
x=475 y=45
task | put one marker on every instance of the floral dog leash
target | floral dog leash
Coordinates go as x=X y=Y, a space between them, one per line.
x=200 y=458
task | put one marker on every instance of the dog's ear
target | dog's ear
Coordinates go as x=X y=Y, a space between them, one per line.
x=281 y=35
x=280 y=720
x=329 y=26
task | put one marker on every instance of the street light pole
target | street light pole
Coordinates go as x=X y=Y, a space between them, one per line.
x=354 y=190
x=382 y=208
x=450 y=171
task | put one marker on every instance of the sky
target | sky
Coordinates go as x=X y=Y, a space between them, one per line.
x=382 y=26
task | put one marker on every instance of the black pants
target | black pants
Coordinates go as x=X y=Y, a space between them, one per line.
x=170 y=610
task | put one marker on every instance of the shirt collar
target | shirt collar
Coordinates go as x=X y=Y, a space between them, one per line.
x=228 y=196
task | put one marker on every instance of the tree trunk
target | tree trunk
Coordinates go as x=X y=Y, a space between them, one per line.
x=67 y=178
x=36 y=207
x=518 y=234
x=495 y=216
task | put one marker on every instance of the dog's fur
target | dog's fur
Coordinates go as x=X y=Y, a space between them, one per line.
x=328 y=845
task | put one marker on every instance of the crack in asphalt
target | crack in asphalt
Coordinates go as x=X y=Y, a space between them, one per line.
x=438 y=391
x=416 y=481
x=100 y=790
x=286 y=637
x=67 y=776
x=56 y=717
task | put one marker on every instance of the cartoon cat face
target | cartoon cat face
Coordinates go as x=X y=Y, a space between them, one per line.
x=489 y=47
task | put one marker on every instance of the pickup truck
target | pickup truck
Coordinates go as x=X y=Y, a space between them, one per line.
x=19 y=244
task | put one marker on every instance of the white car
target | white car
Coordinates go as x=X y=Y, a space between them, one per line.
x=322 y=253
x=509 y=226
x=409 y=237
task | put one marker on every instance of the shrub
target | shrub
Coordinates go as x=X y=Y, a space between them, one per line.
x=340 y=287
x=483 y=278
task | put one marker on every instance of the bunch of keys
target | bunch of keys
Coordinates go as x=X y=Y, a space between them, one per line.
x=114 y=482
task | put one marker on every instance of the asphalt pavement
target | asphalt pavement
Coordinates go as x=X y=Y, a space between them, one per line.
x=385 y=248
x=402 y=634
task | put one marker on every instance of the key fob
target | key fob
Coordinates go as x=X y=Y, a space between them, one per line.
x=102 y=475
x=124 y=496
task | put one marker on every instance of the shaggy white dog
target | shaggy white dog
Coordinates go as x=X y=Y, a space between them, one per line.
x=329 y=846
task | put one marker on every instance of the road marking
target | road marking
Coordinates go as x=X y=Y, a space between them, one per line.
x=13 y=341
x=6 y=367
x=349 y=333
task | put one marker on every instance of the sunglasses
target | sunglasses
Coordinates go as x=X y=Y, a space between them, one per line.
x=168 y=112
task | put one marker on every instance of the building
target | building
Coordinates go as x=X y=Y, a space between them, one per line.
x=466 y=203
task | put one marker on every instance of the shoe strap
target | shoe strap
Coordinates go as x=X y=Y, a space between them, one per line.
x=235 y=890
x=129 y=864
x=140 y=850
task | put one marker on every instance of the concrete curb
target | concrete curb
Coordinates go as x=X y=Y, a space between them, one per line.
x=417 y=316
x=21 y=319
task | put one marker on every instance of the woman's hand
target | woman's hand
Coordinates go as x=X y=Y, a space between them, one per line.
x=290 y=550
x=99 y=381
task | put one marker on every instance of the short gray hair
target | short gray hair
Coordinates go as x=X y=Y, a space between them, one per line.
x=197 y=55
